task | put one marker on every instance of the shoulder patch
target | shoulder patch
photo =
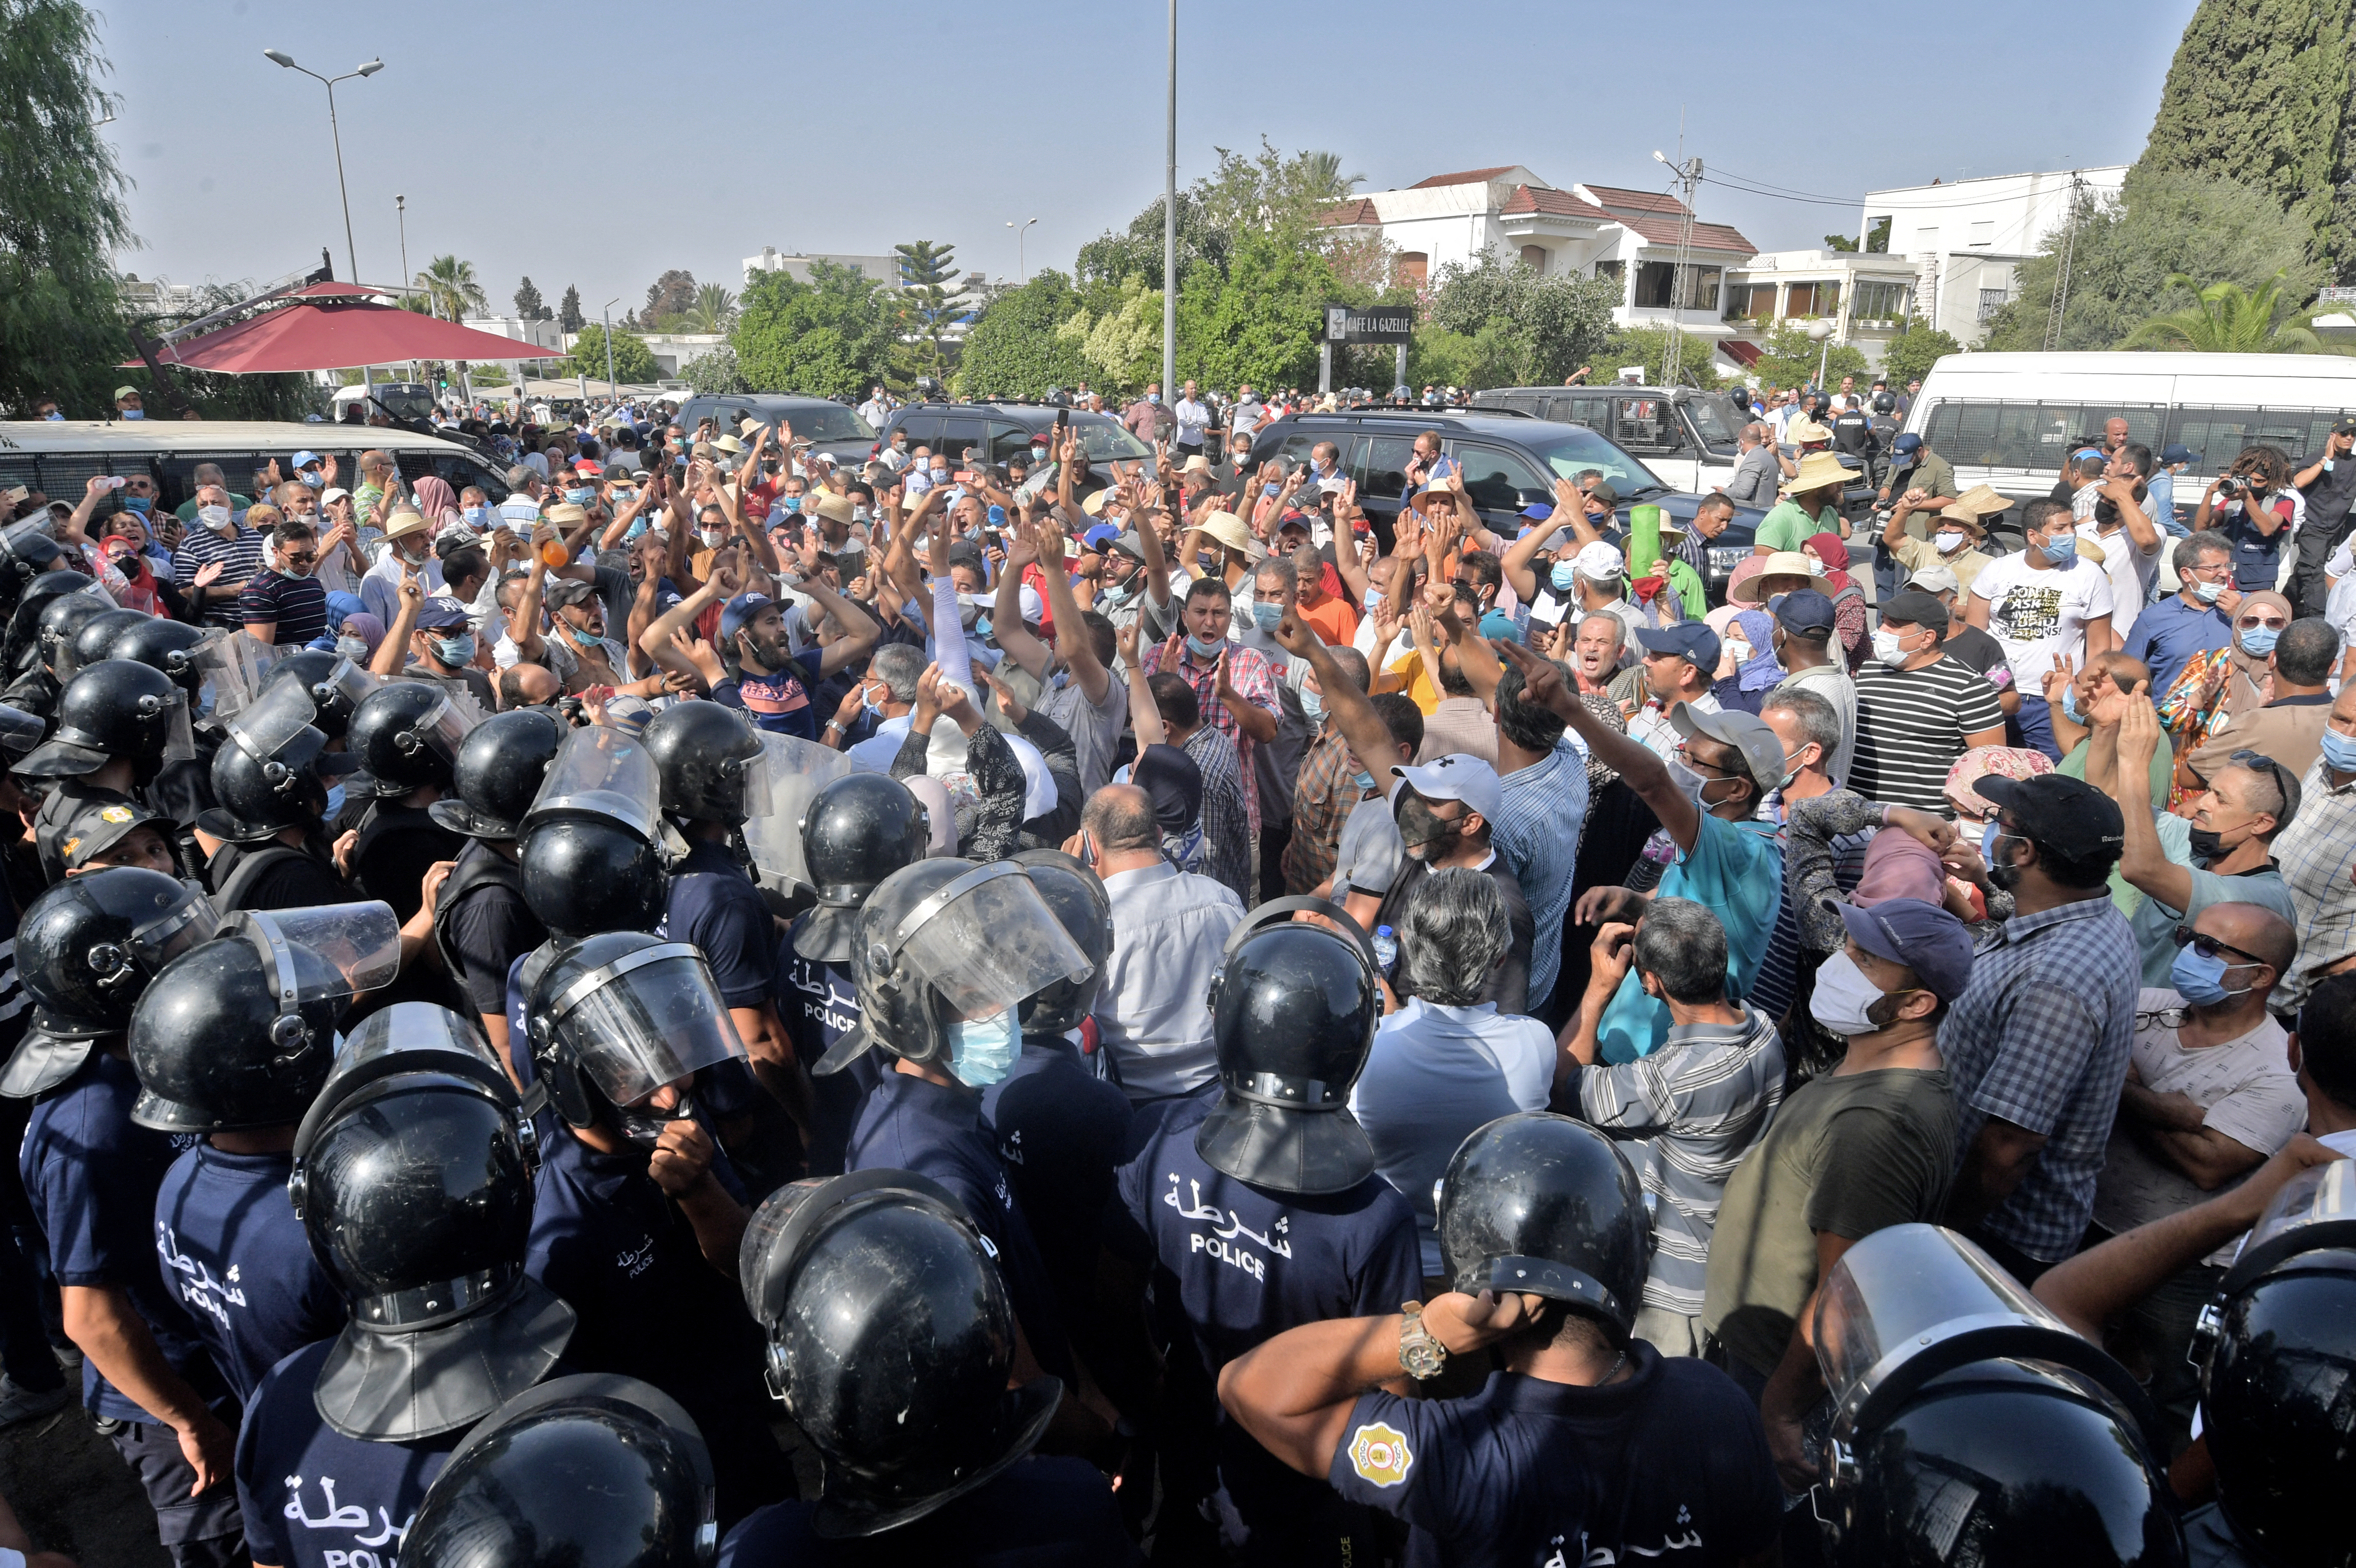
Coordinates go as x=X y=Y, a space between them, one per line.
x=1380 y=1454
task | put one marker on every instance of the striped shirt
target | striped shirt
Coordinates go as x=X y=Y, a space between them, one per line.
x=298 y=607
x=1226 y=822
x=1911 y=726
x=1248 y=674
x=1686 y=1115
x=239 y=551
x=2316 y=854
x=1540 y=811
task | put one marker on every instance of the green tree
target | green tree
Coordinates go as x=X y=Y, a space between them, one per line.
x=1789 y=357
x=1910 y=355
x=1540 y=328
x=1136 y=251
x=1645 y=346
x=2125 y=252
x=1839 y=243
x=451 y=289
x=568 y=311
x=838 y=333
x=673 y=294
x=714 y=309
x=1119 y=332
x=2263 y=91
x=1271 y=190
x=1260 y=323
x=716 y=372
x=1877 y=238
x=61 y=214
x=633 y=360
x=926 y=269
x=529 y=305
x=2227 y=318
x=1016 y=350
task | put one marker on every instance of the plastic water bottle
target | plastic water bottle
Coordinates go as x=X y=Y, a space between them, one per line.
x=1386 y=948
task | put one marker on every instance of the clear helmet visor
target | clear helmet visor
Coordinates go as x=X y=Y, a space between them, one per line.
x=20 y=733
x=190 y=921
x=600 y=771
x=650 y=1018
x=230 y=667
x=986 y=941
x=326 y=952
x=414 y=1030
x=779 y=786
x=2315 y=1208
x=179 y=728
x=64 y=662
x=443 y=728
x=346 y=683
x=268 y=723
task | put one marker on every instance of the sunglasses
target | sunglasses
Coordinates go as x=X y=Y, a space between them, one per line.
x=304 y=559
x=2210 y=947
x=2274 y=623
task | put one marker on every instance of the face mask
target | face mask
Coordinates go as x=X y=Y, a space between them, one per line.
x=134 y=413
x=623 y=497
x=454 y=650
x=2259 y=641
x=2202 y=981
x=713 y=537
x=1374 y=597
x=2338 y=751
x=2005 y=876
x=968 y=610
x=54 y=416
x=295 y=572
x=313 y=478
x=643 y=1125
x=791 y=503
x=2070 y=709
x=982 y=1050
x=2206 y=842
x=1886 y=649
x=940 y=476
x=335 y=801
x=1564 y=576
x=2060 y=550
x=1844 y=998
x=1952 y=540
x=858 y=513
x=1267 y=617
x=478 y=517
x=214 y=517
x=579 y=495
x=1203 y=650
x=1365 y=781
x=1153 y=397
x=1312 y=705
x=352 y=648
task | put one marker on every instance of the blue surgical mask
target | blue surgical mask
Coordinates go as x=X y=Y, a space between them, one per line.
x=1564 y=576
x=1365 y=781
x=2070 y=709
x=2202 y=981
x=2208 y=593
x=1153 y=397
x=313 y=478
x=1203 y=650
x=1269 y=617
x=1312 y=705
x=141 y=503
x=134 y=413
x=580 y=495
x=1268 y=489
x=478 y=517
x=2339 y=750
x=2259 y=640
x=982 y=1050
x=2060 y=550
x=454 y=650
x=335 y=800
x=792 y=504
x=54 y=416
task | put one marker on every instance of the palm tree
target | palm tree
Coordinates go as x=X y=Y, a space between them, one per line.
x=2228 y=319
x=1321 y=177
x=451 y=289
x=714 y=309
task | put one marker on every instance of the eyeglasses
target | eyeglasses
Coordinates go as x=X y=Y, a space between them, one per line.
x=2259 y=762
x=303 y=559
x=2210 y=947
x=2274 y=623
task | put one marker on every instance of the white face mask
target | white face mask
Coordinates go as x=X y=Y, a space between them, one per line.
x=214 y=517
x=1886 y=649
x=1842 y=997
x=1952 y=540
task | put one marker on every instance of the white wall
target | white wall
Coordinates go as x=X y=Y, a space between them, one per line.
x=2003 y=215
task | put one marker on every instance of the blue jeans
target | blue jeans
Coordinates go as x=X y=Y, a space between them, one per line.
x=2033 y=727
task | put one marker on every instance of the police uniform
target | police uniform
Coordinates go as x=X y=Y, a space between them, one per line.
x=1233 y=1266
x=92 y=1174
x=1039 y=1513
x=1062 y=1132
x=315 y=1497
x=398 y=847
x=714 y=904
x=483 y=926
x=56 y=817
x=818 y=1004
x=235 y=1254
x=274 y=875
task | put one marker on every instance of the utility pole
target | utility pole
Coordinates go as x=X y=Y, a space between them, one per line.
x=606 y=311
x=1170 y=232
x=1688 y=175
x=2060 y=302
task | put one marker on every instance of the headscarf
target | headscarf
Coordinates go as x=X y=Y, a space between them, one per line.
x=1169 y=776
x=1831 y=552
x=2246 y=689
x=1899 y=866
x=437 y=501
x=1761 y=670
x=1982 y=762
x=364 y=624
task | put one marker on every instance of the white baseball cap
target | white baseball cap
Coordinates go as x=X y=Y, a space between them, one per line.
x=1459 y=776
x=1600 y=563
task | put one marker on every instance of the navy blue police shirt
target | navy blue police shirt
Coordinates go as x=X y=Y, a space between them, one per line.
x=234 y=1251
x=92 y=1174
x=1037 y=1513
x=936 y=1130
x=313 y=1498
x=1670 y=1463
x=1241 y=1265
x=1062 y=1132
x=714 y=904
x=819 y=1004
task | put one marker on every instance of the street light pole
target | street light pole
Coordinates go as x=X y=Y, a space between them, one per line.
x=1170 y=230
x=280 y=56
x=1020 y=270
x=613 y=389
x=400 y=211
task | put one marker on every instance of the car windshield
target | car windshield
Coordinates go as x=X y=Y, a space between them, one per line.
x=405 y=399
x=1110 y=442
x=1573 y=451
x=826 y=422
x=1713 y=419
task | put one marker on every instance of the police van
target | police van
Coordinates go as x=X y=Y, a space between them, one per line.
x=59 y=456
x=2009 y=420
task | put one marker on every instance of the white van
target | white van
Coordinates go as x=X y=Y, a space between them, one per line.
x=1685 y=436
x=2008 y=420
x=58 y=457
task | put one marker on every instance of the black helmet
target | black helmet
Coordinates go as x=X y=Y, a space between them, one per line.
x=20 y=735
x=337 y=687
x=943 y=941
x=1885 y=403
x=240 y=1031
x=25 y=620
x=592 y=1471
x=616 y=1017
x=498 y=771
x=859 y=829
x=2275 y=1400
x=1293 y=1010
x=61 y=623
x=601 y=774
x=891 y=1338
x=260 y=796
x=1543 y=1204
x=114 y=709
x=413 y=1180
x=167 y=645
x=25 y=552
x=583 y=873
x=708 y=755
x=100 y=632
x=88 y=947
x=1079 y=901
x=406 y=734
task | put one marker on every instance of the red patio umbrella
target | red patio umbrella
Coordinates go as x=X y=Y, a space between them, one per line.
x=336 y=326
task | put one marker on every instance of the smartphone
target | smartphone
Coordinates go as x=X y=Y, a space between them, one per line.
x=1063 y=419
x=963 y=475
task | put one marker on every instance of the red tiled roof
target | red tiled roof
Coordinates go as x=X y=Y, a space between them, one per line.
x=1469 y=177
x=1534 y=198
x=1359 y=210
x=1636 y=200
x=1705 y=236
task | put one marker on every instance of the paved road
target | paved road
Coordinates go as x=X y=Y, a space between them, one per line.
x=74 y=1495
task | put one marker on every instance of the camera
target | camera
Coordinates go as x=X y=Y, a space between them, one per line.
x=2227 y=485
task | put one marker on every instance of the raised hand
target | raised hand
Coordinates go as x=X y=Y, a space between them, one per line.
x=1542 y=680
x=2057 y=677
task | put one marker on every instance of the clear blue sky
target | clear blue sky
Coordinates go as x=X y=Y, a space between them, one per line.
x=851 y=127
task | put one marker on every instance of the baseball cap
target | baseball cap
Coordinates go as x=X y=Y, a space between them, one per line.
x=332 y=494
x=1459 y=776
x=2177 y=453
x=740 y=610
x=1915 y=607
x=2070 y=814
x=1538 y=512
x=1034 y=608
x=122 y=392
x=1599 y=563
x=305 y=459
x=1924 y=938
x=1805 y=613
x=440 y=612
x=1749 y=734
x=1099 y=536
x=1604 y=494
x=1299 y=519
x=1907 y=443
x=1935 y=579
x=588 y=466
x=563 y=591
x=1688 y=640
x=97 y=827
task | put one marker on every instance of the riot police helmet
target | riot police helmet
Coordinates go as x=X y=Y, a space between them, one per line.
x=85 y=949
x=711 y=761
x=1885 y=403
x=23 y=643
x=498 y=770
x=100 y=632
x=406 y=735
x=857 y=831
x=27 y=552
x=336 y=686
x=584 y=874
x=1546 y=1206
x=617 y=1017
x=1078 y=898
x=115 y=709
x=171 y=645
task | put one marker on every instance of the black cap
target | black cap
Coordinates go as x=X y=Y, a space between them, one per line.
x=2347 y=426
x=1806 y=613
x=1915 y=607
x=2068 y=814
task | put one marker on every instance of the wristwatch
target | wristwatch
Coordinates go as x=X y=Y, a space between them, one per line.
x=1420 y=1356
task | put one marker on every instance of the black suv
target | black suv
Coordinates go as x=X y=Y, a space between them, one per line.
x=1509 y=461
x=827 y=425
x=1003 y=429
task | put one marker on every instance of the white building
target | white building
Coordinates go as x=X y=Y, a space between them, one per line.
x=883 y=269
x=542 y=335
x=1581 y=230
x=1864 y=295
x=1965 y=238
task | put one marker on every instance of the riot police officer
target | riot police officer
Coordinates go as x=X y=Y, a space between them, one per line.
x=412 y=1180
x=1255 y=1205
x=638 y=1216
x=890 y=1343
x=481 y=923
x=116 y=724
x=857 y=831
x=231 y=1041
x=48 y=656
x=582 y=1470
x=405 y=735
x=203 y=664
x=1590 y=1446
x=269 y=777
x=946 y=950
x=31 y=687
x=27 y=552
